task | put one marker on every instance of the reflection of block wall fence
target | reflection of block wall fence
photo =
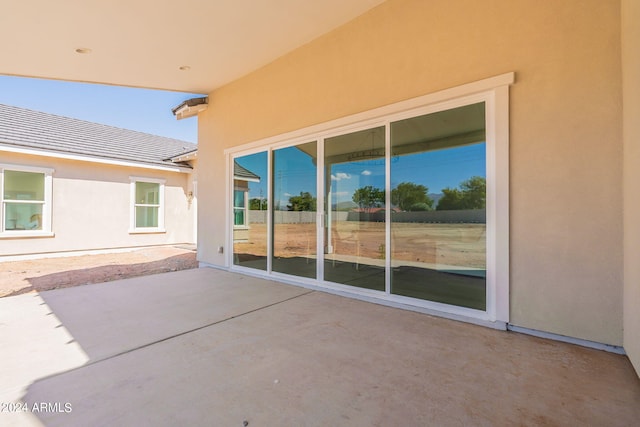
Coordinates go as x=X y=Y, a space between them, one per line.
x=286 y=217
x=459 y=216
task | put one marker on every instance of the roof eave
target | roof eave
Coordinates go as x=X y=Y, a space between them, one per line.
x=170 y=167
x=184 y=157
x=190 y=107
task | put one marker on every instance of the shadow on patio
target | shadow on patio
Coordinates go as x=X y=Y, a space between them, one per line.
x=208 y=347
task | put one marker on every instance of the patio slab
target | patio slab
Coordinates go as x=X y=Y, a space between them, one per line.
x=116 y=317
x=235 y=348
x=33 y=345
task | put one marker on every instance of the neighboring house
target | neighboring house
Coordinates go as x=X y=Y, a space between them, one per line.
x=73 y=185
x=241 y=179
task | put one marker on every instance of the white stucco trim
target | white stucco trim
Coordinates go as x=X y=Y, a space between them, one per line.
x=484 y=85
x=92 y=159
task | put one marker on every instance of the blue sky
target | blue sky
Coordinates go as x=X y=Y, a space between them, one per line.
x=143 y=110
x=435 y=169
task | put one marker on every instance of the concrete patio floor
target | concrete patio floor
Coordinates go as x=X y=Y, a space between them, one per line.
x=208 y=347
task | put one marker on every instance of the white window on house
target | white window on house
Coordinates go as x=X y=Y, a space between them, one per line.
x=240 y=208
x=147 y=201
x=26 y=201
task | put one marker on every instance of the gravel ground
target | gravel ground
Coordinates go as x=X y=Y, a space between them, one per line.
x=19 y=277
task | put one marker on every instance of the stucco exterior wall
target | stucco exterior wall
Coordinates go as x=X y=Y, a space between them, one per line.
x=565 y=121
x=91 y=208
x=192 y=186
x=631 y=135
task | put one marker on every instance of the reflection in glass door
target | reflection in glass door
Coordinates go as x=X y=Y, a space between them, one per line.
x=250 y=211
x=294 y=210
x=438 y=195
x=428 y=181
x=355 y=209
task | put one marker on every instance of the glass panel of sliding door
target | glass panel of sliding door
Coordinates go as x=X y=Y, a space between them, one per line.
x=438 y=218
x=294 y=210
x=355 y=209
x=250 y=211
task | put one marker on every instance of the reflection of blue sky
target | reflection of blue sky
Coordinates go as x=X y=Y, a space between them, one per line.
x=294 y=172
x=256 y=163
x=346 y=178
x=440 y=168
x=434 y=169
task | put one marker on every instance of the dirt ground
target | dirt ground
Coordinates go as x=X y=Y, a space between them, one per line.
x=18 y=277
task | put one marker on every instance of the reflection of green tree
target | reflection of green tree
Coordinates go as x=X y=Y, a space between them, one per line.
x=368 y=197
x=451 y=200
x=304 y=202
x=472 y=194
x=409 y=196
x=257 y=204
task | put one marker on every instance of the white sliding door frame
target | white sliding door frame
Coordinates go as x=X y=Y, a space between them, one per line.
x=494 y=93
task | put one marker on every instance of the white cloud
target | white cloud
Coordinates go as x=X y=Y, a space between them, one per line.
x=341 y=193
x=366 y=172
x=288 y=195
x=340 y=176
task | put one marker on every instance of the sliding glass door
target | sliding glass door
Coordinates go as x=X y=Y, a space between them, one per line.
x=397 y=210
x=354 y=166
x=249 y=215
x=438 y=202
x=294 y=210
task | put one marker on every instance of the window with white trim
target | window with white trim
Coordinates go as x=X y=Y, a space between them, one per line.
x=147 y=197
x=25 y=199
x=240 y=208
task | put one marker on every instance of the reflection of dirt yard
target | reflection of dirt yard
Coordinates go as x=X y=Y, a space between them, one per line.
x=448 y=244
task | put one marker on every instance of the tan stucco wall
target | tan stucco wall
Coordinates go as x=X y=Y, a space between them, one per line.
x=192 y=186
x=631 y=135
x=91 y=208
x=566 y=150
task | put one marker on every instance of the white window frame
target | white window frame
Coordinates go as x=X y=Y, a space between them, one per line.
x=46 y=204
x=494 y=92
x=161 y=207
x=245 y=195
